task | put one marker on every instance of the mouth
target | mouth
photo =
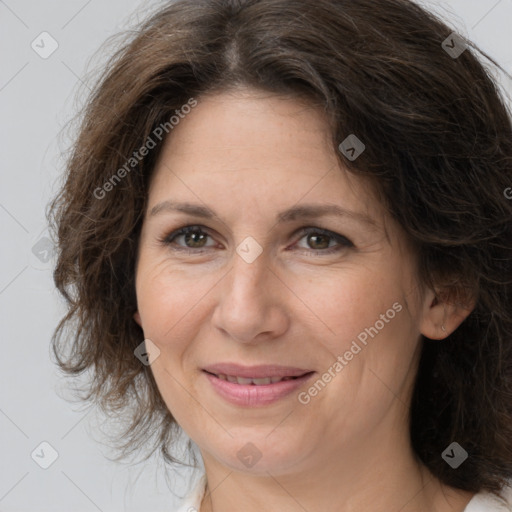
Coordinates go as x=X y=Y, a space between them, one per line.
x=252 y=386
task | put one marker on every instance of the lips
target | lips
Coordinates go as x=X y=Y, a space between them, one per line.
x=252 y=386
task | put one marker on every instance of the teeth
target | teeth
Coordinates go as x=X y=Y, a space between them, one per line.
x=242 y=380
x=257 y=382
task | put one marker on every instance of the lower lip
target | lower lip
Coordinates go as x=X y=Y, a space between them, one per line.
x=251 y=395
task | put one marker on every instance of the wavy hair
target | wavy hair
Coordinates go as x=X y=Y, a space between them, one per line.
x=438 y=139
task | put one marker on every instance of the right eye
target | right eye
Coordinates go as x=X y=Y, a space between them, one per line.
x=193 y=239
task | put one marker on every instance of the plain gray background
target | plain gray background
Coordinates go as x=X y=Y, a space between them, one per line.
x=38 y=96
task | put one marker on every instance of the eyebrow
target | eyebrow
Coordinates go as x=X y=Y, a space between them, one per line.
x=304 y=211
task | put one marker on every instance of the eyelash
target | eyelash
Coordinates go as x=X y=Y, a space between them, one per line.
x=343 y=242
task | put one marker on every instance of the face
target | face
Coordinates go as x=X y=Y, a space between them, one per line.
x=288 y=266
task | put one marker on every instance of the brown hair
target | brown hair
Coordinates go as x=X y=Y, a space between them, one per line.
x=438 y=140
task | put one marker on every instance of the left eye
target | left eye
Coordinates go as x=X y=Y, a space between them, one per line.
x=319 y=240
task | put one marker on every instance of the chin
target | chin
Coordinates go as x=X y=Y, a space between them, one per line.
x=257 y=456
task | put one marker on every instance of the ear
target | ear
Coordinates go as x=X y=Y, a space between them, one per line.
x=441 y=316
x=136 y=317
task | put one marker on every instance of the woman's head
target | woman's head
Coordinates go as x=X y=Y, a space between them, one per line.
x=253 y=108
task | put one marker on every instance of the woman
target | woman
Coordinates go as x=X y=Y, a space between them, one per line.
x=285 y=232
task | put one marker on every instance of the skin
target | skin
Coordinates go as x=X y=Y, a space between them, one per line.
x=249 y=155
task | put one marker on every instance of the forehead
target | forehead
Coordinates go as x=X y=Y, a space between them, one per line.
x=251 y=132
x=247 y=124
x=256 y=150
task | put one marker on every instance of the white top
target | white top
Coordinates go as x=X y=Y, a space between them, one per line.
x=482 y=502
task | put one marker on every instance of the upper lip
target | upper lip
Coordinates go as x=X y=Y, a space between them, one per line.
x=257 y=372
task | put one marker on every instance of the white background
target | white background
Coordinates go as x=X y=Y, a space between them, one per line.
x=37 y=98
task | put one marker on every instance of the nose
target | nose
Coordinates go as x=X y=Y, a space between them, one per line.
x=251 y=305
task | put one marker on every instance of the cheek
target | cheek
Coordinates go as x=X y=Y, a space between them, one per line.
x=341 y=305
x=363 y=319
x=170 y=305
x=168 y=300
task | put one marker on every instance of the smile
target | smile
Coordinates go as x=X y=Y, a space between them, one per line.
x=257 y=386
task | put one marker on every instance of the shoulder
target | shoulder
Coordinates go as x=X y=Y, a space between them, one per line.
x=487 y=502
x=481 y=502
x=192 y=501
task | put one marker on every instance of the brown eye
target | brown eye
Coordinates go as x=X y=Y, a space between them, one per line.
x=318 y=241
x=193 y=237
x=322 y=241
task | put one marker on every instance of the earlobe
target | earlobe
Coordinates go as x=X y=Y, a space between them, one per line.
x=137 y=318
x=441 y=317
